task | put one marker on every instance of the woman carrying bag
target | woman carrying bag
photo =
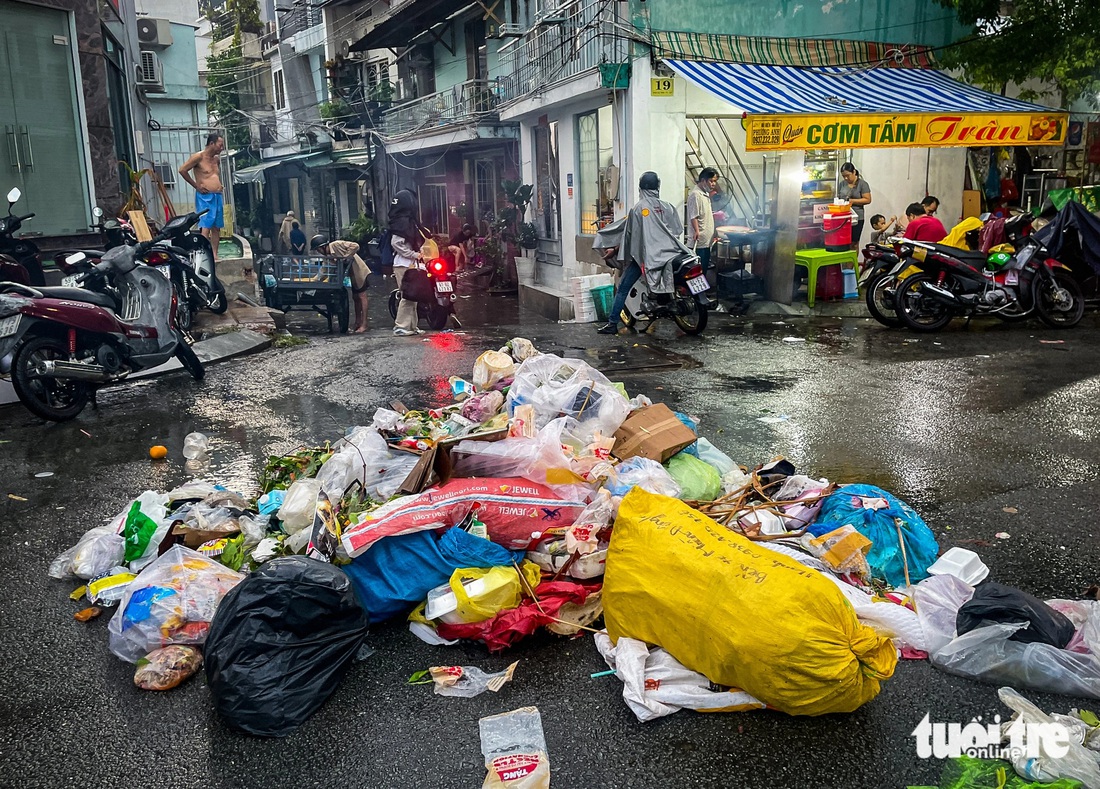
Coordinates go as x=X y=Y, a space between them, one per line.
x=407 y=237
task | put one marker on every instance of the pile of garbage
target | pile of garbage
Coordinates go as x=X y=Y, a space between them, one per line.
x=546 y=498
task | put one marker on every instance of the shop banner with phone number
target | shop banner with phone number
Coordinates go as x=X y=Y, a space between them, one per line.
x=797 y=132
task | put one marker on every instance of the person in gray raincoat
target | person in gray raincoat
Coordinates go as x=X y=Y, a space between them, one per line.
x=646 y=241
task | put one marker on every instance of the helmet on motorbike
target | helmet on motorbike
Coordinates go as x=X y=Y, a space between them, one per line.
x=649 y=180
x=317 y=241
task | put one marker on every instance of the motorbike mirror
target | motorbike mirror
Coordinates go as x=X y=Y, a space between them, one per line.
x=14 y=195
x=97 y=212
x=76 y=257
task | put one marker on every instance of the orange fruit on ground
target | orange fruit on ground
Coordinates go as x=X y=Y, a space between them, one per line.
x=158 y=452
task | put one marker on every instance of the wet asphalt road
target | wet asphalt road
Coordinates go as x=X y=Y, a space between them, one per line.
x=961 y=425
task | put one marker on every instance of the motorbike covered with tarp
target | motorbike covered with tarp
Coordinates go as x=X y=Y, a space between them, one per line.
x=1073 y=238
x=650 y=236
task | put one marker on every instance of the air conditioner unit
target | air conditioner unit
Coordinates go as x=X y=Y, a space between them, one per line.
x=155 y=33
x=166 y=172
x=150 y=73
x=510 y=31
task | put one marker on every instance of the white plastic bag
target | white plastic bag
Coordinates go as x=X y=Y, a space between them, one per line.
x=734 y=479
x=938 y=600
x=172 y=601
x=655 y=684
x=299 y=505
x=97 y=551
x=1077 y=763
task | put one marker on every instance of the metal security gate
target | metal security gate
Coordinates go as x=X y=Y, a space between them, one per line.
x=169 y=148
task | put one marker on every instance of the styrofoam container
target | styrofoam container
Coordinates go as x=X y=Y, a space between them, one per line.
x=442 y=602
x=965 y=565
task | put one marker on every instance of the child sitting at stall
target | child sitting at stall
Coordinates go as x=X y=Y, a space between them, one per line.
x=881 y=228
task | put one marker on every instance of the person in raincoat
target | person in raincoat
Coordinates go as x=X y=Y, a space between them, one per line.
x=646 y=241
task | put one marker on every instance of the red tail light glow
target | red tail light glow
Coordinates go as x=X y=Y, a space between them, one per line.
x=157 y=258
x=438 y=266
x=694 y=271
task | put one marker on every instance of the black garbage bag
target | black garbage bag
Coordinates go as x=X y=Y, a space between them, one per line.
x=281 y=642
x=998 y=604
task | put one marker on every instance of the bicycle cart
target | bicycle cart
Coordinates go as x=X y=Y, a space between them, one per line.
x=306 y=282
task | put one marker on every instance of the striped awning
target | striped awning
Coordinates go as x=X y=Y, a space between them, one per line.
x=788 y=51
x=789 y=108
x=787 y=89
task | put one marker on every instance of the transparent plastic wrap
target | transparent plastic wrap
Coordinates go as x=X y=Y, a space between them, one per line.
x=569 y=387
x=1072 y=760
x=172 y=601
x=514 y=748
x=468 y=681
x=509 y=457
x=167 y=667
x=97 y=551
x=938 y=600
x=988 y=654
x=643 y=473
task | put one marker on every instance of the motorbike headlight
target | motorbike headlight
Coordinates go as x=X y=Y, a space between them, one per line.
x=3 y=225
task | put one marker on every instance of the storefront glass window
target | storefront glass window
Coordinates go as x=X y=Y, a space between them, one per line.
x=119 y=108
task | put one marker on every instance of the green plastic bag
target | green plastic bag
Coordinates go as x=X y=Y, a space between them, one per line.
x=144 y=528
x=698 y=480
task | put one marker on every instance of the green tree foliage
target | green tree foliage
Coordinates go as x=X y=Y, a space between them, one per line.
x=223 y=95
x=1054 y=41
x=246 y=14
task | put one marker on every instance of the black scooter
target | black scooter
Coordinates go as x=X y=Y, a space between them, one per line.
x=22 y=253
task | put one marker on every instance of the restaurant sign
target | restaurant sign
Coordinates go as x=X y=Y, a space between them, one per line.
x=796 y=132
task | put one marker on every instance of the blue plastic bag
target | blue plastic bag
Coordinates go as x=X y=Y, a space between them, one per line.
x=691 y=449
x=855 y=505
x=397 y=572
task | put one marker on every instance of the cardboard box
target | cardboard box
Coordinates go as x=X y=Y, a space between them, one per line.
x=653 y=432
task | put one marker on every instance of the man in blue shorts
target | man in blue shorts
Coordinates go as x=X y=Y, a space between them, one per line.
x=203 y=171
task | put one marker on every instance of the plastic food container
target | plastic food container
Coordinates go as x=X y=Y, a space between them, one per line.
x=965 y=565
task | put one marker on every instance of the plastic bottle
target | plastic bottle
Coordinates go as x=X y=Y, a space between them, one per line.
x=195 y=446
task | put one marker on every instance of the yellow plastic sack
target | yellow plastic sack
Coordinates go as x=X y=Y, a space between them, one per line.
x=500 y=590
x=738 y=613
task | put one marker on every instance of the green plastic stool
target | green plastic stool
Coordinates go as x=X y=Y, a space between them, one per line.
x=814 y=259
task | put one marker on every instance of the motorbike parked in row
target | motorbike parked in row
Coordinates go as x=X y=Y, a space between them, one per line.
x=185 y=257
x=953 y=282
x=59 y=345
x=435 y=302
x=18 y=256
x=879 y=283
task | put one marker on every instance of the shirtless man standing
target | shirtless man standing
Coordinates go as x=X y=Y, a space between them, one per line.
x=207 y=181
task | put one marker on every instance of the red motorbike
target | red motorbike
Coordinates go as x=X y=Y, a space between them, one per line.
x=59 y=345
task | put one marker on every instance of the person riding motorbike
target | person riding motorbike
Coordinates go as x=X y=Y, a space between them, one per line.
x=649 y=237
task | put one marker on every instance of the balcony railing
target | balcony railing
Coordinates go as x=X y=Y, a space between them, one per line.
x=299 y=19
x=466 y=101
x=571 y=40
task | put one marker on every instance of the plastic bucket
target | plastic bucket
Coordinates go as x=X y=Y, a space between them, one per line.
x=838 y=232
x=601 y=299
